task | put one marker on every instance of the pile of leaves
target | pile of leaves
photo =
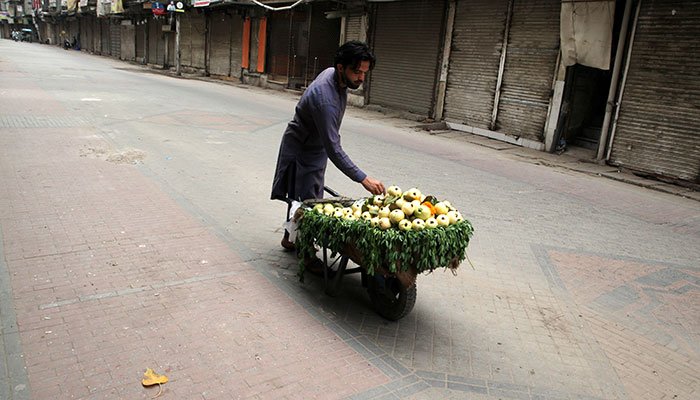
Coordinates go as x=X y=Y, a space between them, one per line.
x=383 y=250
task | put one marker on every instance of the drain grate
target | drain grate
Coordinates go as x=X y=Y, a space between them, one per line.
x=30 y=121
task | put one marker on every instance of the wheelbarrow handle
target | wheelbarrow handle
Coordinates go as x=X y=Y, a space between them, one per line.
x=331 y=191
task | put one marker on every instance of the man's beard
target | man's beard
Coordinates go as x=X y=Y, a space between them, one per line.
x=350 y=84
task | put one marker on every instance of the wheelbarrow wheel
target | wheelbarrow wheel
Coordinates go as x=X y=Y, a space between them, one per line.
x=391 y=299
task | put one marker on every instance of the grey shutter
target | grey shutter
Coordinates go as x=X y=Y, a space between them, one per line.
x=659 y=123
x=220 y=44
x=406 y=43
x=192 y=40
x=115 y=39
x=477 y=40
x=104 y=36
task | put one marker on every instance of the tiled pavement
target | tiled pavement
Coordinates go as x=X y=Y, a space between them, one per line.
x=124 y=246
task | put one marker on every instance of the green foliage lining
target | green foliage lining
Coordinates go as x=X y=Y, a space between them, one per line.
x=391 y=249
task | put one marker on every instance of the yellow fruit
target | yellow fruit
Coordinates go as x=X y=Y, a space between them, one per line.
x=452 y=216
x=417 y=225
x=384 y=223
x=396 y=216
x=408 y=209
x=394 y=191
x=405 y=225
x=383 y=212
x=441 y=208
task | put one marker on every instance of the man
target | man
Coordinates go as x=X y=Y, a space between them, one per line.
x=312 y=136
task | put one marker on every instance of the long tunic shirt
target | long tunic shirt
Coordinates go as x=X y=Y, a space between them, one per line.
x=311 y=138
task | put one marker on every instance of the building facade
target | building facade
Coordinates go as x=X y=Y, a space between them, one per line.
x=620 y=77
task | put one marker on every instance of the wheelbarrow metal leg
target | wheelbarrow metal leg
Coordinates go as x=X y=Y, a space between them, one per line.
x=334 y=284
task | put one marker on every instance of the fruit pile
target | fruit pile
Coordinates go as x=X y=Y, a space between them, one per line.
x=407 y=211
x=396 y=232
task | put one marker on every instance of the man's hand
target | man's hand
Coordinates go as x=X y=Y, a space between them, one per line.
x=373 y=186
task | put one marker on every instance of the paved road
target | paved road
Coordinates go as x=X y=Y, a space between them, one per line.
x=136 y=232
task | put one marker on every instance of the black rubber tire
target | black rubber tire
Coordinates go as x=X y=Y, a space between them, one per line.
x=390 y=298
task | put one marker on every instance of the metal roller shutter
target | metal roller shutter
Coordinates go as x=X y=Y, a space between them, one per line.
x=156 y=42
x=105 y=37
x=287 y=44
x=658 y=125
x=128 y=46
x=477 y=40
x=533 y=46
x=115 y=39
x=219 y=59
x=236 y=46
x=140 y=41
x=197 y=39
x=406 y=43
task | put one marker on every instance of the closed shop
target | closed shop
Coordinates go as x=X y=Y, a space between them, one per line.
x=406 y=39
x=128 y=44
x=658 y=125
x=105 y=37
x=287 y=44
x=156 y=42
x=324 y=37
x=115 y=39
x=96 y=34
x=477 y=41
x=225 y=53
x=192 y=39
x=140 y=41
x=533 y=46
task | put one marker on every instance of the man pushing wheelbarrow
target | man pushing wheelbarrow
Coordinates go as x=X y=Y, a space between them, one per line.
x=313 y=135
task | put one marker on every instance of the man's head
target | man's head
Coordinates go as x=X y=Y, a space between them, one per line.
x=353 y=61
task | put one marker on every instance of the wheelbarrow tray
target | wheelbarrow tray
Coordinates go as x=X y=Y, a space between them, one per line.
x=383 y=251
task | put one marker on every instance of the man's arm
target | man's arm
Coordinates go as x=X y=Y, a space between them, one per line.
x=326 y=120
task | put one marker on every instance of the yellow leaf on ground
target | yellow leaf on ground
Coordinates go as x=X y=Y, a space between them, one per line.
x=151 y=378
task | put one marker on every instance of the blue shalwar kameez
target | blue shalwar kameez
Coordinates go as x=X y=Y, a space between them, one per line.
x=311 y=138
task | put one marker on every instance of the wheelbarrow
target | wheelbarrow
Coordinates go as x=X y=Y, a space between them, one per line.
x=392 y=291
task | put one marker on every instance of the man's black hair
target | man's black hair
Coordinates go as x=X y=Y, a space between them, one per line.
x=352 y=53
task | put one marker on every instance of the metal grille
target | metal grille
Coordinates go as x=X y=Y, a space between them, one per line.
x=477 y=40
x=115 y=39
x=406 y=43
x=533 y=45
x=659 y=121
x=31 y=121
x=353 y=26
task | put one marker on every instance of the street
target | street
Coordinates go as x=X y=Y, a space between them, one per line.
x=136 y=232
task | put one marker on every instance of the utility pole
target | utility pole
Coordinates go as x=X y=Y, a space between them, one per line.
x=177 y=44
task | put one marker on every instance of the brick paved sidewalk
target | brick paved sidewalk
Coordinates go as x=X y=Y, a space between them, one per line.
x=109 y=277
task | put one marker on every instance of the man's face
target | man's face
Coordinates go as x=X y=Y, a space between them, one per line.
x=353 y=77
